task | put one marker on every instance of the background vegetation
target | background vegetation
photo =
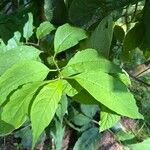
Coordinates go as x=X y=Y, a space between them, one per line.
x=74 y=74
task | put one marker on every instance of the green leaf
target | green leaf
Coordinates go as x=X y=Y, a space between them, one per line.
x=146 y=23
x=44 y=107
x=15 y=111
x=89 y=140
x=108 y=120
x=145 y=145
x=16 y=55
x=19 y=74
x=124 y=77
x=48 y=9
x=95 y=11
x=10 y=24
x=71 y=88
x=62 y=108
x=87 y=60
x=84 y=97
x=119 y=33
x=74 y=90
x=124 y=135
x=5 y=128
x=133 y=39
x=55 y=11
x=89 y=110
x=26 y=136
x=101 y=38
x=28 y=27
x=78 y=118
x=58 y=131
x=67 y=36
x=68 y=3
x=3 y=47
x=15 y=41
x=87 y=13
x=44 y=29
x=99 y=84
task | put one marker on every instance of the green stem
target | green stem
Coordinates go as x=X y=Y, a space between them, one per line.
x=38 y=42
x=72 y=125
x=53 y=70
x=126 y=17
x=57 y=67
x=134 y=14
x=33 y=44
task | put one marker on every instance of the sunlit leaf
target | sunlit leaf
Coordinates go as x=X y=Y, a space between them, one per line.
x=28 y=27
x=15 y=111
x=67 y=36
x=110 y=92
x=44 y=29
x=19 y=74
x=17 y=54
x=87 y=60
x=14 y=41
x=44 y=108
x=108 y=120
x=145 y=145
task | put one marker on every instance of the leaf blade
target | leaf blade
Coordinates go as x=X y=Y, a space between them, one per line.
x=17 y=54
x=45 y=106
x=101 y=38
x=88 y=140
x=44 y=29
x=67 y=36
x=19 y=74
x=98 y=84
x=28 y=27
x=87 y=60
x=15 y=111
x=107 y=120
x=143 y=145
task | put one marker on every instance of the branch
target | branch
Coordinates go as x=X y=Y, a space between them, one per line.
x=135 y=78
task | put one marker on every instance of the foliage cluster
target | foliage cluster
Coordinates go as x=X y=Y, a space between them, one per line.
x=69 y=63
